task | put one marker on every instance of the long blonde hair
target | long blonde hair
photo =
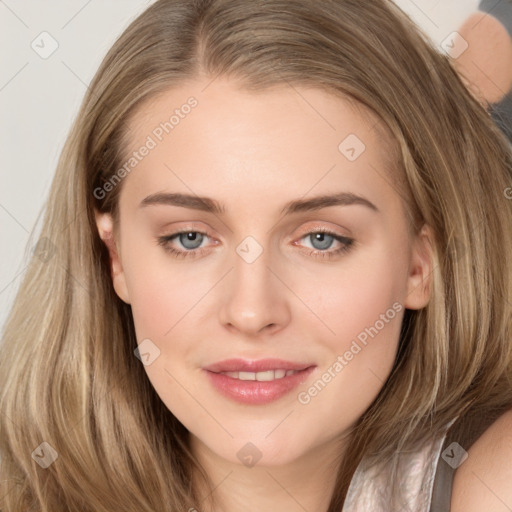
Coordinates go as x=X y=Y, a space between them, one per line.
x=68 y=374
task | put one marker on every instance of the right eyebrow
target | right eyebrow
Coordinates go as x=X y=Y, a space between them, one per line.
x=184 y=200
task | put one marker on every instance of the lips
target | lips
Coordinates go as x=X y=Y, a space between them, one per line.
x=260 y=365
x=265 y=376
x=257 y=382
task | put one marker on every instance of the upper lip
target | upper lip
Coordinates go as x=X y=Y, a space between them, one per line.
x=260 y=365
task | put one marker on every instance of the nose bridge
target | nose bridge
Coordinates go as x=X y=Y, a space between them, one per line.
x=255 y=298
x=252 y=274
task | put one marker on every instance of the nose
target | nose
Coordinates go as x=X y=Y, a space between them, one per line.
x=255 y=298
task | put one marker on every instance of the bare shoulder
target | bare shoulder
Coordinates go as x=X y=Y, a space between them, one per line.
x=484 y=480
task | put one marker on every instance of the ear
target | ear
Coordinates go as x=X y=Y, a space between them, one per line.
x=105 y=225
x=419 y=280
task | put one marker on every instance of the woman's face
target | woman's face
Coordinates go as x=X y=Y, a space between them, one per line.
x=256 y=279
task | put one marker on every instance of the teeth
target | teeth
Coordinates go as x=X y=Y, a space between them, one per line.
x=260 y=376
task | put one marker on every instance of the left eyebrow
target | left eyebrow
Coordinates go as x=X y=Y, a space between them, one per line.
x=319 y=202
x=210 y=205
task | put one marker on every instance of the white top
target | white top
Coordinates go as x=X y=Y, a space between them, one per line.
x=369 y=490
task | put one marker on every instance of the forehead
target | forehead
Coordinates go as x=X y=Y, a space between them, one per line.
x=214 y=138
x=222 y=102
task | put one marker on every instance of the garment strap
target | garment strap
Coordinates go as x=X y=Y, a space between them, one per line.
x=464 y=431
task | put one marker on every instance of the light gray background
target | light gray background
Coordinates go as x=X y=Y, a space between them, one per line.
x=39 y=98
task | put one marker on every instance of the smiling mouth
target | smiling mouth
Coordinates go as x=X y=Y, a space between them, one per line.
x=265 y=376
x=258 y=388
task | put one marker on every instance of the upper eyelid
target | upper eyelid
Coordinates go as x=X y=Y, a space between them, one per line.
x=313 y=229
x=310 y=231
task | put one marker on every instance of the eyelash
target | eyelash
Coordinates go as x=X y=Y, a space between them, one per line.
x=347 y=244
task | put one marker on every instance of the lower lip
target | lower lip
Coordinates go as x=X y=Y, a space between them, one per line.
x=256 y=392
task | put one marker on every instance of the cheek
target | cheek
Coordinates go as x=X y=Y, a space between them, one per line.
x=162 y=290
x=364 y=313
x=359 y=311
x=158 y=303
x=351 y=297
x=163 y=300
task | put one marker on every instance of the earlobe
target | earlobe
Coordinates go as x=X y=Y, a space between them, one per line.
x=105 y=224
x=419 y=281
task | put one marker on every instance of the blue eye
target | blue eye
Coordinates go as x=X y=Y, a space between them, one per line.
x=191 y=241
x=322 y=239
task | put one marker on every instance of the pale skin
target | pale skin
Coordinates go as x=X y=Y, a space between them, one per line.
x=254 y=153
x=486 y=64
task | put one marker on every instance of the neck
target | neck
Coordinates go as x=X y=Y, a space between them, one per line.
x=306 y=483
